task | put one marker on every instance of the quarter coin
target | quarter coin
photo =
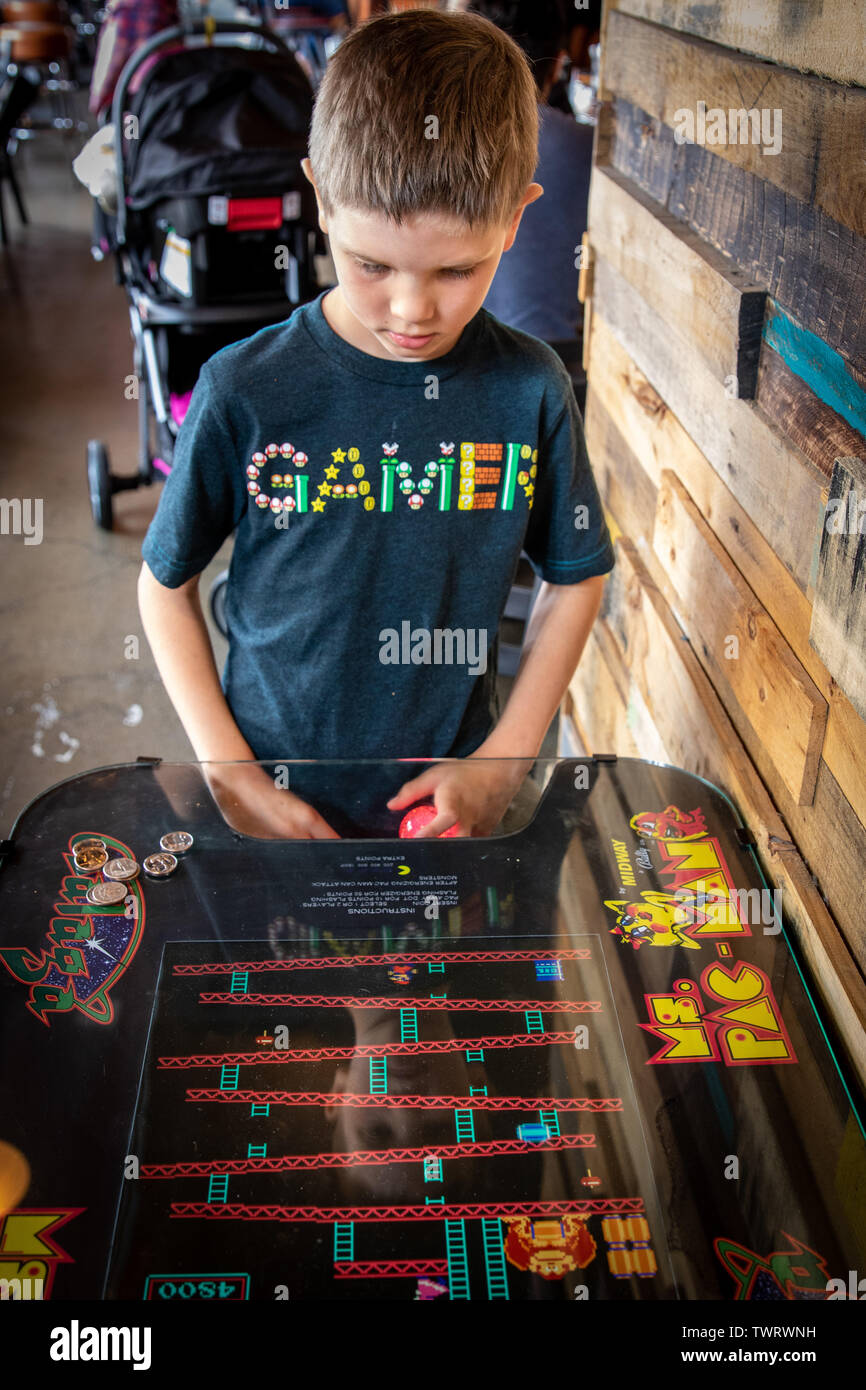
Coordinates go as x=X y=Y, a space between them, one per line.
x=120 y=870
x=105 y=893
x=160 y=865
x=176 y=842
x=90 y=861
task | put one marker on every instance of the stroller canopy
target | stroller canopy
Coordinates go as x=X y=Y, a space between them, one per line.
x=218 y=120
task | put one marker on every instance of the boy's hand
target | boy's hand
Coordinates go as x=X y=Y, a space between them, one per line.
x=472 y=794
x=251 y=804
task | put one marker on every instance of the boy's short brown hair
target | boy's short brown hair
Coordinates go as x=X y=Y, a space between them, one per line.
x=373 y=146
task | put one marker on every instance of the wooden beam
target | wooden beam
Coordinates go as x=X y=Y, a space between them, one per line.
x=701 y=739
x=773 y=482
x=804 y=36
x=644 y=730
x=628 y=492
x=821 y=434
x=584 y=279
x=641 y=147
x=810 y=263
x=648 y=431
x=606 y=707
x=569 y=743
x=698 y=290
x=829 y=833
x=741 y=649
x=599 y=706
x=833 y=842
x=839 y=614
x=809 y=128
x=581 y=734
x=823 y=370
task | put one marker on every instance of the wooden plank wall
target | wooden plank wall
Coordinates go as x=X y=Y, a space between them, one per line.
x=726 y=422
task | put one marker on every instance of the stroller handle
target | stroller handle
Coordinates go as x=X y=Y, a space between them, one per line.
x=164 y=39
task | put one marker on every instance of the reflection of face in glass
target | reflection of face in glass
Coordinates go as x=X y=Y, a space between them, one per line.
x=391 y=1127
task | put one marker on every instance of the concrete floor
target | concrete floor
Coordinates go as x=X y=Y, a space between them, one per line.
x=73 y=695
x=70 y=697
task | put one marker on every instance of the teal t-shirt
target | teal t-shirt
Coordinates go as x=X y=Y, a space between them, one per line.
x=379 y=510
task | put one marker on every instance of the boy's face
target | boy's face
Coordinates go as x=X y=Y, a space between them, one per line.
x=407 y=292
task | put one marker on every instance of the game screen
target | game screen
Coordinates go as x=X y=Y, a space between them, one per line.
x=352 y=1126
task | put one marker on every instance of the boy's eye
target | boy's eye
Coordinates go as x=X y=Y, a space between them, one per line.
x=370 y=269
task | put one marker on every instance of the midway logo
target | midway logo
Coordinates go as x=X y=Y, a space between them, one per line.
x=76 y=1343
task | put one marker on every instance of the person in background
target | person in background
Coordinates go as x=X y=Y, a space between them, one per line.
x=313 y=14
x=583 y=31
x=127 y=24
x=308 y=29
x=535 y=287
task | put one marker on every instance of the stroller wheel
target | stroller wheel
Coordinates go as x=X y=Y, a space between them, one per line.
x=99 y=484
x=217 y=600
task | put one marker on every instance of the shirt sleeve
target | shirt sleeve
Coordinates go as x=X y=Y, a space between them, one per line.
x=203 y=499
x=567 y=539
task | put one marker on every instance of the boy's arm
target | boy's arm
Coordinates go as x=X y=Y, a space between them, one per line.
x=248 y=798
x=476 y=793
x=175 y=628
x=566 y=536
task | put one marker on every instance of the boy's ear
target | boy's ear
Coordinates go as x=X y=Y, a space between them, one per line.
x=533 y=192
x=308 y=173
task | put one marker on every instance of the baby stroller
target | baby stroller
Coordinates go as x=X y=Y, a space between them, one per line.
x=216 y=226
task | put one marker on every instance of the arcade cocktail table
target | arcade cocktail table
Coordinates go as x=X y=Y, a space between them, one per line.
x=574 y=1061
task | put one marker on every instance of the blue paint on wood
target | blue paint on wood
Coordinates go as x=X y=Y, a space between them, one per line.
x=816 y=364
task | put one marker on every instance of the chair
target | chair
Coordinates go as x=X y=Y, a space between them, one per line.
x=34 y=12
x=16 y=94
x=44 y=45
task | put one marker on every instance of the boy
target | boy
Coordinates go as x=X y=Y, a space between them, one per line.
x=383 y=456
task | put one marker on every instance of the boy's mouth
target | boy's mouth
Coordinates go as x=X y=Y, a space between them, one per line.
x=403 y=341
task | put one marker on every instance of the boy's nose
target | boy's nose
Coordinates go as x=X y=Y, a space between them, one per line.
x=412 y=312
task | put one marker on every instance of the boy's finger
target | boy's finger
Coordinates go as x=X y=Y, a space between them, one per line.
x=442 y=821
x=321 y=830
x=410 y=792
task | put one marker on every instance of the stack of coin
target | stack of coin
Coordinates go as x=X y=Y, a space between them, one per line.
x=120 y=870
x=106 y=894
x=161 y=865
x=89 y=856
x=90 y=843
